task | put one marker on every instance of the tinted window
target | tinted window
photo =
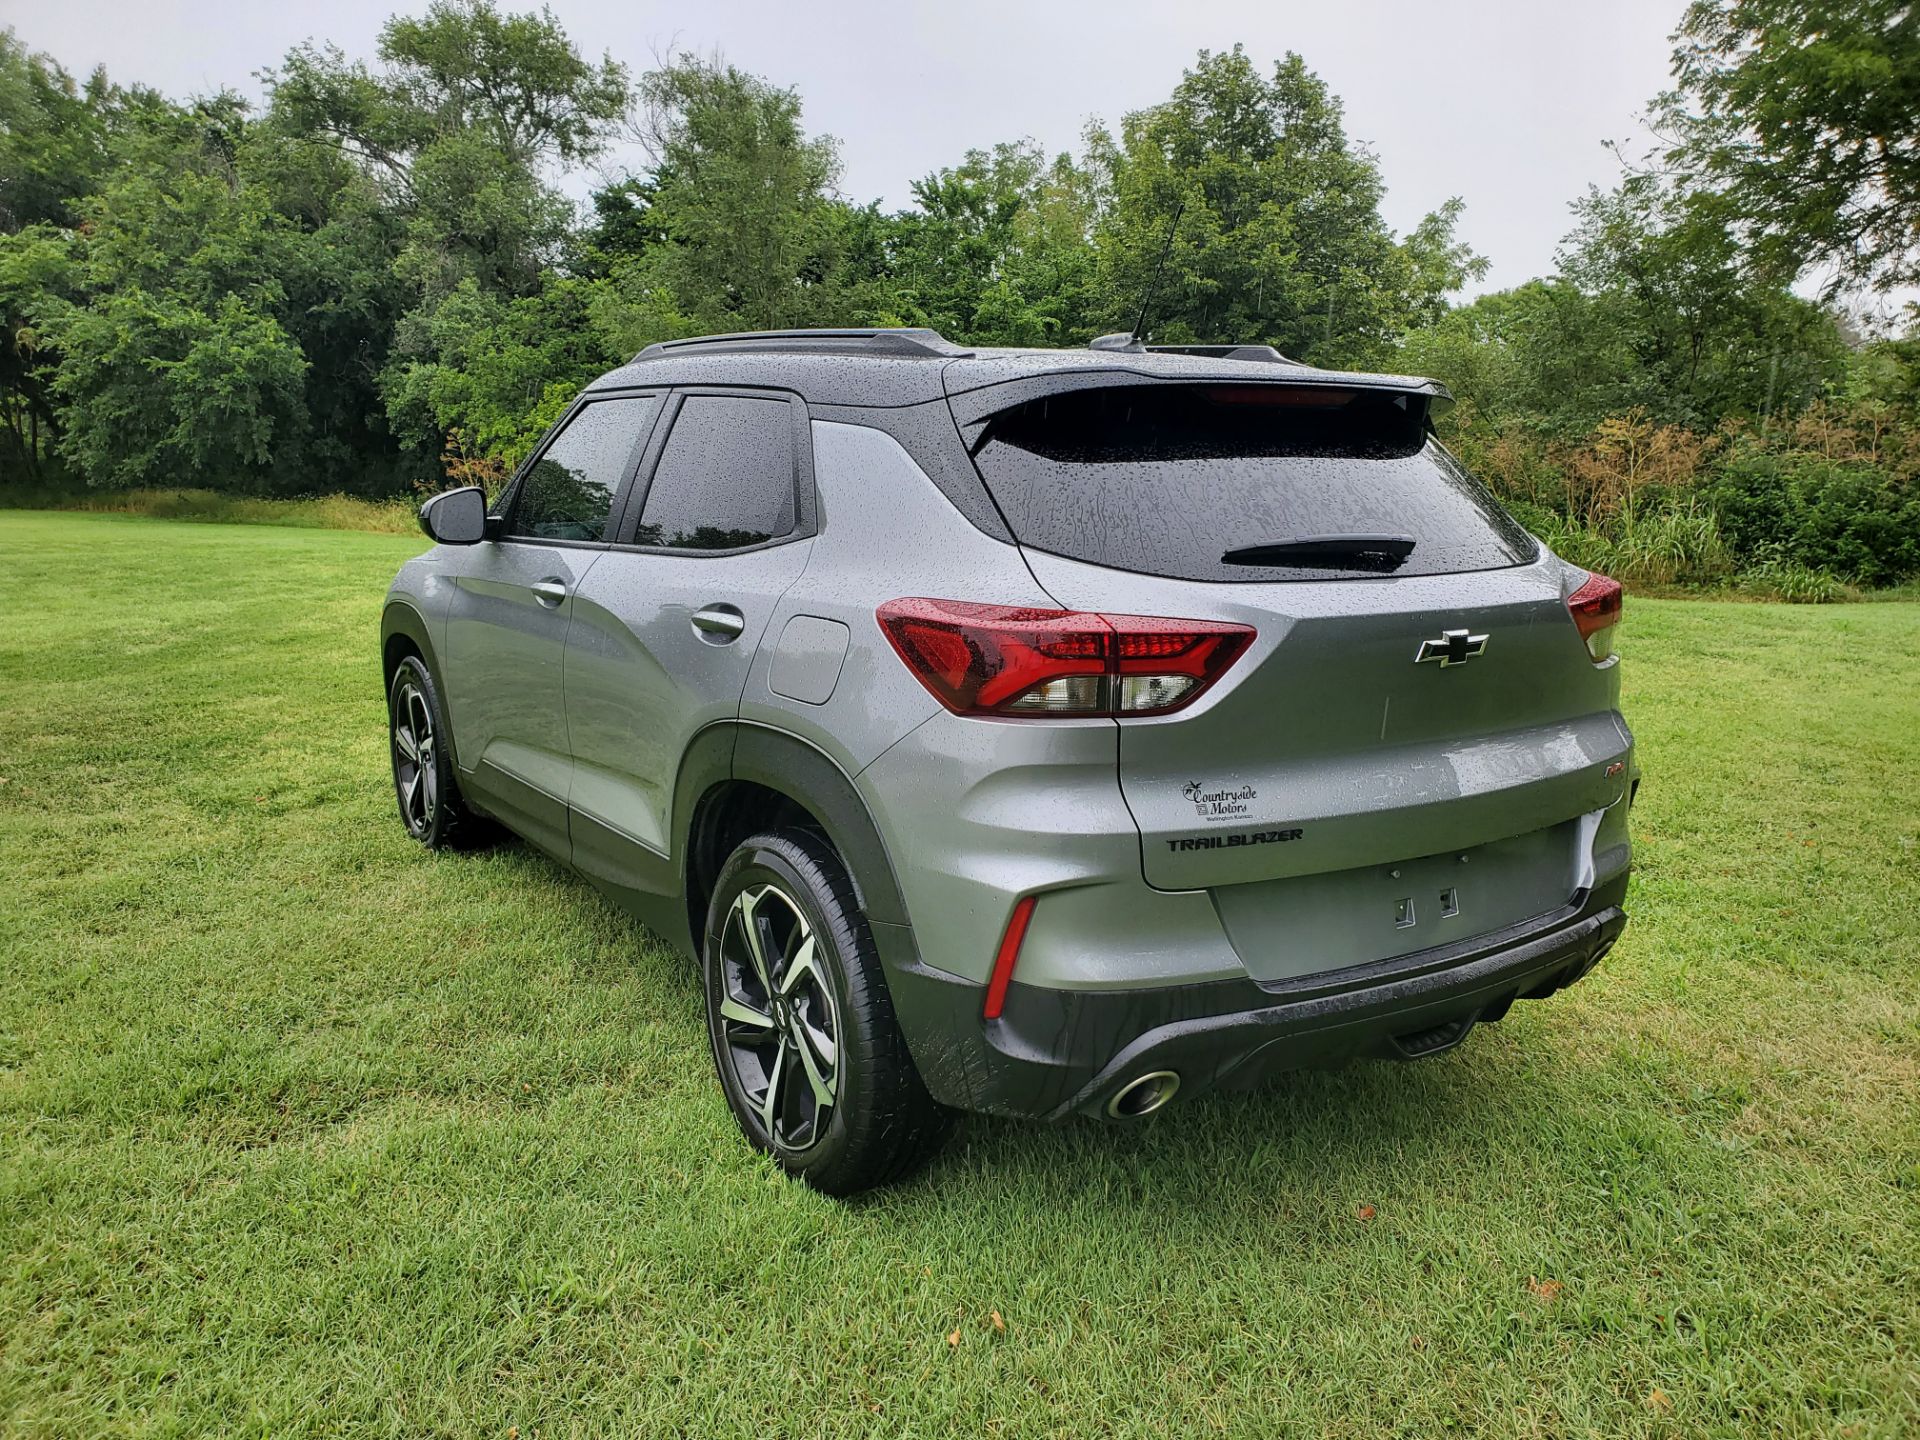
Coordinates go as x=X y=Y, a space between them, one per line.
x=1167 y=479
x=725 y=478
x=568 y=492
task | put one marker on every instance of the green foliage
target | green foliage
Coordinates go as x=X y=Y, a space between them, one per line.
x=451 y=139
x=1838 y=516
x=1676 y=544
x=501 y=370
x=157 y=389
x=174 y=361
x=513 y=82
x=1802 y=113
x=740 y=200
x=377 y=283
x=1279 y=237
x=1774 y=576
x=1706 y=340
x=997 y=250
x=53 y=138
x=457 y=127
x=323 y=512
x=1547 y=353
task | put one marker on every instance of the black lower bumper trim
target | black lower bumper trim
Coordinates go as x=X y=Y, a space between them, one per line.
x=1055 y=1053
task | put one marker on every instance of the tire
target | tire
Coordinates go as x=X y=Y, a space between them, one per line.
x=845 y=1115
x=423 y=777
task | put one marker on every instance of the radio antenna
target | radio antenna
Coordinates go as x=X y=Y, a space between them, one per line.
x=1153 y=288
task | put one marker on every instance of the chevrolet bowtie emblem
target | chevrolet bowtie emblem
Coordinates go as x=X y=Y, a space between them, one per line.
x=1452 y=647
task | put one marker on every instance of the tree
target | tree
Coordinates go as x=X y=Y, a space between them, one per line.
x=53 y=137
x=997 y=250
x=173 y=359
x=53 y=152
x=1806 y=115
x=741 y=199
x=502 y=370
x=459 y=127
x=1709 y=339
x=451 y=142
x=1280 y=237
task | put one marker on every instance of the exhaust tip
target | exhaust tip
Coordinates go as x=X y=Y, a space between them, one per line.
x=1143 y=1095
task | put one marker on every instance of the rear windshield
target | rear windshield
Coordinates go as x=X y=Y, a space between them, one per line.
x=1304 y=484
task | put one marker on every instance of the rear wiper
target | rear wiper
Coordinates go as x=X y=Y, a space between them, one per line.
x=1338 y=552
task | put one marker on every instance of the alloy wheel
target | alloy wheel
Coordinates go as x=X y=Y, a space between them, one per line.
x=780 y=1024
x=415 y=775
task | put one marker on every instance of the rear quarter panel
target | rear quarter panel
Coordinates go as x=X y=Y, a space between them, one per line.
x=886 y=531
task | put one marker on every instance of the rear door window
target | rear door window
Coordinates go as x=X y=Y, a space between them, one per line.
x=1172 y=479
x=726 y=479
x=568 y=493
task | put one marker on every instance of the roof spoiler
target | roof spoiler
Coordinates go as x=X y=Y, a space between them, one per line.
x=974 y=408
x=903 y=341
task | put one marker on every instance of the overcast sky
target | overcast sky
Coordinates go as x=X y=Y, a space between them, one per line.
x=1502 y=102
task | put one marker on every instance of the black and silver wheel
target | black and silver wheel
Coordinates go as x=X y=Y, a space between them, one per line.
x=779 y=1022
x=810 y=1057
x=414 y=774
x=423 y=779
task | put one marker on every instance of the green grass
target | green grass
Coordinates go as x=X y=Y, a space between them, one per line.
x=303 y=1129
x=322 y=512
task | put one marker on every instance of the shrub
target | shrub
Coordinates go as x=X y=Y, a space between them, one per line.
x=1678 y=545
x=1776 y=577
x=1842 y=517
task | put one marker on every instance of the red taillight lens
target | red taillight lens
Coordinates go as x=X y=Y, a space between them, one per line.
x=1019 y=661
x=1596 y=608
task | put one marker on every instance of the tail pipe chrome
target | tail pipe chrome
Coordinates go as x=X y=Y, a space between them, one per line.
x=1143 y=1095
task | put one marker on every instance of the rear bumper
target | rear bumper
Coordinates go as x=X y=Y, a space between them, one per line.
x=1057 y=1052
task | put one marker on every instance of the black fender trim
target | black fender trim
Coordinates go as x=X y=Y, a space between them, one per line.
x=785 y=763
x=707 y=763
x=400 y=618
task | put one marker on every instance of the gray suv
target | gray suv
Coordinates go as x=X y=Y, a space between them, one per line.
x=1038 y=732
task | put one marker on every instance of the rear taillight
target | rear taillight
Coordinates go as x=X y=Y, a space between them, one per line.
x=1596 y=607
x=1019 y=661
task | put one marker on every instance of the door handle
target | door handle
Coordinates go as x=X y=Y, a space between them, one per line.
x=549 y=592
x=719 y=624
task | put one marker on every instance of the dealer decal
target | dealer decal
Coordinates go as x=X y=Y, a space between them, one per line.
x=1223 y=804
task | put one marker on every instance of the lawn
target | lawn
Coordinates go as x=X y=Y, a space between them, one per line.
x=304 y=1129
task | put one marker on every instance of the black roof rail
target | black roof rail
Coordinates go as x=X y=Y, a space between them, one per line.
x=903 y=341
x=1225 y=352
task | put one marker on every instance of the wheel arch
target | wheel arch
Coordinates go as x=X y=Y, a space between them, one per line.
x=741 y=777
x=403 y=632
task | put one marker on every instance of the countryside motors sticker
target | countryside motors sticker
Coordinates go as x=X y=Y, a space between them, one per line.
x=1217 y=805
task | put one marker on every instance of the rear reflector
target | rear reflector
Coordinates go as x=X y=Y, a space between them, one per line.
x=1596 y=607
x=1020 y=661
x=1003 y=961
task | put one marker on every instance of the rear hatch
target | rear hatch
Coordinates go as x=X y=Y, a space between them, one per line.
x=1343 y=798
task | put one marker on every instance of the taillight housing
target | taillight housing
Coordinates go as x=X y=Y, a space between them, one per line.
x=1596 y=608
x=1023 y=662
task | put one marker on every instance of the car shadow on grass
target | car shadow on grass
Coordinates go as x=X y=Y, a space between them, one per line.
x=1480 y=1118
